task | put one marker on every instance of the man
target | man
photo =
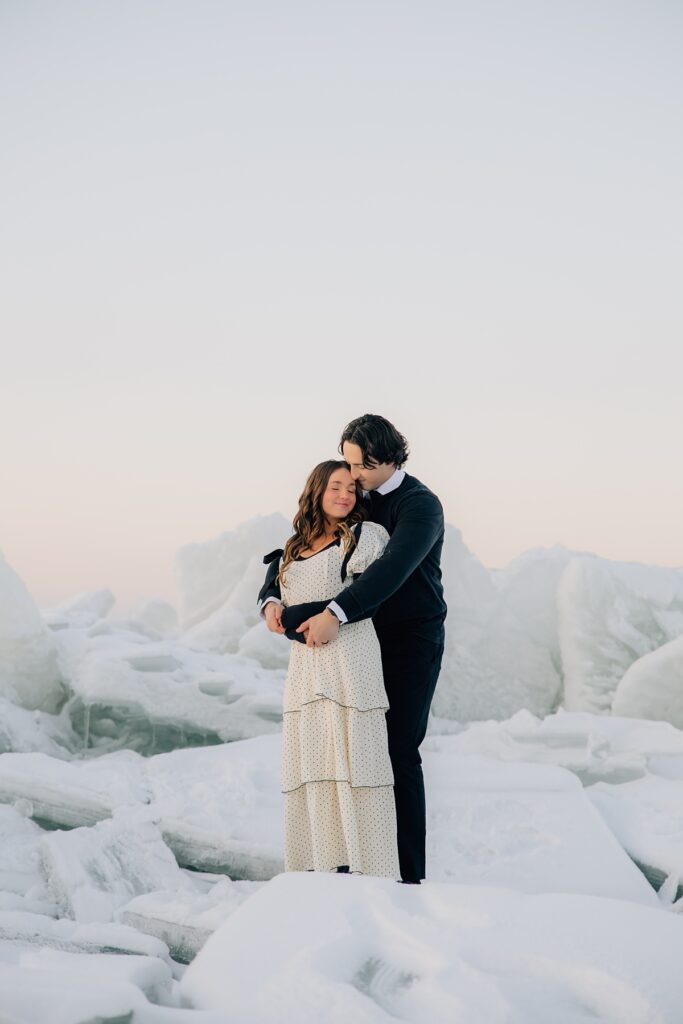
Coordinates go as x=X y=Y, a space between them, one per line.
x=402 y=592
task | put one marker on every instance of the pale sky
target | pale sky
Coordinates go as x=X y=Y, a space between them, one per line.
x=229 y=228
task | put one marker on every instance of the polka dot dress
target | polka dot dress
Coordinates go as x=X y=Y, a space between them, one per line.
x=336 y=772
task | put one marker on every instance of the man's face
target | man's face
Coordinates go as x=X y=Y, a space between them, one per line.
x=369 y=478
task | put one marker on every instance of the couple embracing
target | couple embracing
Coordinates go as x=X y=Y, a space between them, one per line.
x=357 y=588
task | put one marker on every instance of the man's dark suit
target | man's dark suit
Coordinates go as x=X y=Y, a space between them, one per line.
x=402 y=592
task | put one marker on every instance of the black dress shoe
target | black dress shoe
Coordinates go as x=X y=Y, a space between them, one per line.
x=409 y=881
x=343 y=869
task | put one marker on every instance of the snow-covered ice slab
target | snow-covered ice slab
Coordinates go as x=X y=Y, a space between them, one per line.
x=595 y=747
x=156 y=696
x=185 y=920
x=646 y=816
x=221 y=808
x=91 y=872
x=227 y=571
x=31 y=931
x=653 y=686
x=524 y=825
x=25 y=730
x=309 y=947
x=527 y=826
x=73 y=793
x=502 y=651
x=50 y=986
x=29 y=673
x=610 y=614
x=22 y=881
x=83 y=609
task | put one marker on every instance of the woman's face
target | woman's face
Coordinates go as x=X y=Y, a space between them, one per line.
x=339 y=496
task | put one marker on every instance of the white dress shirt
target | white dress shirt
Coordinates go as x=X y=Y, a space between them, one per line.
x=394 y=481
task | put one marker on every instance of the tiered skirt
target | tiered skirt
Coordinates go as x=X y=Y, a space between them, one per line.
x=336 y=772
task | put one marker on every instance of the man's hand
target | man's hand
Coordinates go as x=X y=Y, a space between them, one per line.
x=320 y=629
x=273 y=614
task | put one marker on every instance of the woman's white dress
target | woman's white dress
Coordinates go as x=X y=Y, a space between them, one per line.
x=336 y=772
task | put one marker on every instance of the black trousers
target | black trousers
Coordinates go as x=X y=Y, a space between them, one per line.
x=411 y=664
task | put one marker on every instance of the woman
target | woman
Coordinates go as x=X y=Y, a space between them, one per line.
x=336 y=772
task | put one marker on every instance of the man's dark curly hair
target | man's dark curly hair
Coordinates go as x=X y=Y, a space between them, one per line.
x=378 y=439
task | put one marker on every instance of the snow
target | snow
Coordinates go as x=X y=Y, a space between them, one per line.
x=141 y=811
x=652 y=687
x=22 y=729
x=92 y=872
x=373 y=951
x=610 y=615
x=156 y=695
x=28 y=658
x=227 y=570
x=72 y=793
x=501 y=642
x=185 y=920
x=646 y=816
x=527 y=826
x=82 y=609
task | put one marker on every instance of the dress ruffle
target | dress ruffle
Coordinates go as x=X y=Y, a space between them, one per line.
x=326 y=742
x=348 y=671
x=356 y=840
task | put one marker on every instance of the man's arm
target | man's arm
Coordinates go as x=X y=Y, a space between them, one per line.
x=419 y=526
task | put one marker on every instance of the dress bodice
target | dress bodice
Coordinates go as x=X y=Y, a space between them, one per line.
x=317 y=577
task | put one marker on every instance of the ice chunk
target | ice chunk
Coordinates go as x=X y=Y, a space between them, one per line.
x=269 y=649
x=23 y=730
x=156 y=696
x=529 y=827
x=220 y=632
x=610 y=615
x=73 y=793
x=156 y=614
x=374 y=950
x=652 y=687
x=502 y=652
x=20 y=930
x=221 y=808
x=84 y=609
x=60 y=987
x=29 y=673
x=228 y=570
x=185 y=920
x=93 y=871
x=22 y=882
x=594 y=747
x=467 y=583
x=646 y=816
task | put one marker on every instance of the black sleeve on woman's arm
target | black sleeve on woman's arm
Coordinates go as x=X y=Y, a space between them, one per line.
x=418 y=527
x=298 y=613
x=270 y=587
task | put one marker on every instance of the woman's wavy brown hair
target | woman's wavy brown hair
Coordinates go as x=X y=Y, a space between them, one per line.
x=309 y=522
